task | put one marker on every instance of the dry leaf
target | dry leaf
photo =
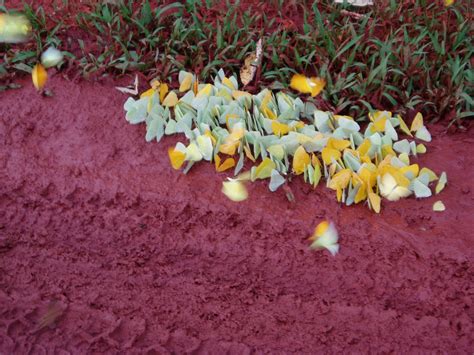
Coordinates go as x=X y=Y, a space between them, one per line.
x=252 y=61
x=131 y=89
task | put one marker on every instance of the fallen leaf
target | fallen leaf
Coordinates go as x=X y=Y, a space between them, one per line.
x=131 y=89
x=251 y=62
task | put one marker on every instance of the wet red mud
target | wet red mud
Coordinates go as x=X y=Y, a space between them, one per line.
x=105 y=249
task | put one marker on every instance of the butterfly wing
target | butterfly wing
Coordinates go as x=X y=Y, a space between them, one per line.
x=387 y=184
x=398 y=193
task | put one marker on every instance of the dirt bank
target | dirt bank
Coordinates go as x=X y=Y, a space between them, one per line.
x=142 y=259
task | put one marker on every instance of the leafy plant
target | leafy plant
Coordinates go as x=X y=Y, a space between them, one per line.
x=395 y=55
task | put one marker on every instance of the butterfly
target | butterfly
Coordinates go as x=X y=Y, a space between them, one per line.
x=438 y=206
x=235 y=190
x=39 y=75
x=325 y=237
x=51 y=57
x=443 y=180
x=14 y=28
x=390 y=189
x=307 y=85
x=417 y=126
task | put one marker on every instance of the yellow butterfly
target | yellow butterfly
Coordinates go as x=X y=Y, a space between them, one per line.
x=176 y=157
x=39 y=76
x=443 y=180
x=235 y=190
x=227 y=164
x=325 y=237
x=307 y=85
x=300 y=160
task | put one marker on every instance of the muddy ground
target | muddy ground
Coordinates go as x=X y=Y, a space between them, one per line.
x=105 y=248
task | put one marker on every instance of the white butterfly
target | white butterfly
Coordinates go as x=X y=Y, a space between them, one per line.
x=51 y=57
x=276 y=180
x=390 y=189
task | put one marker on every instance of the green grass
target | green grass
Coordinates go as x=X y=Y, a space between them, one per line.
x=399 y=57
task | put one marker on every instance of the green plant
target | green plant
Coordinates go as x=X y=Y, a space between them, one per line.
x=405 y=55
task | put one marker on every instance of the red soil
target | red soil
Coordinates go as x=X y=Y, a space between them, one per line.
x=142 y=259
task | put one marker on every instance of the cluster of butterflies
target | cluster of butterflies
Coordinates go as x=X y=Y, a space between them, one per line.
x=284 y=136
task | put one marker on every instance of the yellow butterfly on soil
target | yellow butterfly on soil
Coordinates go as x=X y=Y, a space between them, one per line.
x=325 y=237
x=39 y=76
x=235 y=190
